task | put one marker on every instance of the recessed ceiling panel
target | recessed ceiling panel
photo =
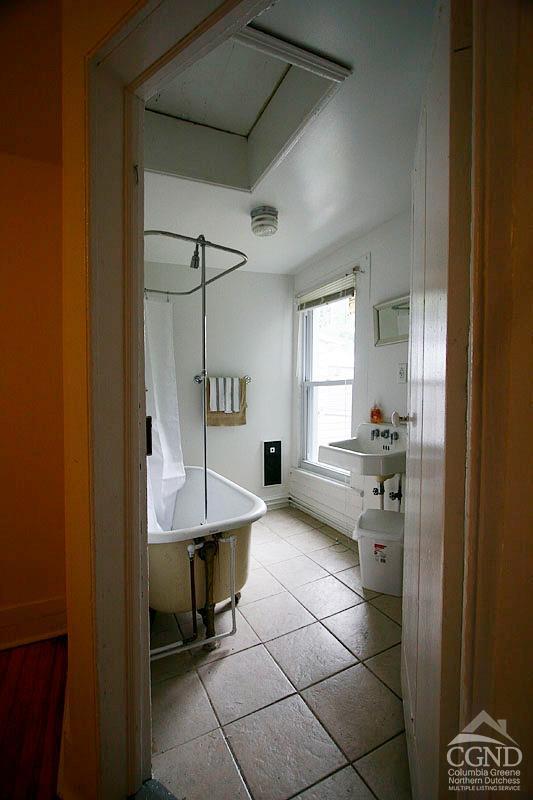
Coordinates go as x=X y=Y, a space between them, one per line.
x=227 y=89
x=237 y=112
x=349 y=172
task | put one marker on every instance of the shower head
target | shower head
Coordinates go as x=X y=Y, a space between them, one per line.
x=195 y=260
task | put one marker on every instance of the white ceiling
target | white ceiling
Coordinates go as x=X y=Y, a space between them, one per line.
x=245 y=79
x=349 y=172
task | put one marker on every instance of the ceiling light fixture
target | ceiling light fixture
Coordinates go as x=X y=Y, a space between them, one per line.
x=264 y=220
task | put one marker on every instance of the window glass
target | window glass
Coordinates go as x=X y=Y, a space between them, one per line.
x=330 y=416
x=332 y=346
x=329 y=371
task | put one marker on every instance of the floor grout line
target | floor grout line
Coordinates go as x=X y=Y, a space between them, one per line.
x=331 y=774
x=262 y=708
x=223 y=732
x=196 y=667
x=297 y=692
x=337 y=744
x=317 y=619
x=188 y=741
x=384 y=612
x=314 y=580
x=358 y=661
x=237 y=765
x=373 y=749
x=320 y=680
x=351 y=762
x=363 y=663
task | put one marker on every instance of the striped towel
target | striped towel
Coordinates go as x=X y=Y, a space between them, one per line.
x=224 y=395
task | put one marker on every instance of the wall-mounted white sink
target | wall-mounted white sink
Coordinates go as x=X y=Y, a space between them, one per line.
x=375 y=450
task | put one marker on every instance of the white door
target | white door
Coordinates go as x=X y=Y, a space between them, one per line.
x=434 y=521
x=414 y=455
x=424 y=522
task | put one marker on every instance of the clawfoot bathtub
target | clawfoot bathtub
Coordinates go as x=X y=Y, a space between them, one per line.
x=232 y=509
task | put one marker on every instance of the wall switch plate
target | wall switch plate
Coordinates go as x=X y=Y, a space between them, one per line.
x=402 y=372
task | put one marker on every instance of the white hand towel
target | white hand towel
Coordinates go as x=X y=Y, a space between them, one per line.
x=213 y=406
x=236 y=404
x=227 y=395
x=221 y=397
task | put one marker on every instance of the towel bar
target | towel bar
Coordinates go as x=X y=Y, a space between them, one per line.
x=200 y=378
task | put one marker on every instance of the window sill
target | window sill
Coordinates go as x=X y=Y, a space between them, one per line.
x=322 y=471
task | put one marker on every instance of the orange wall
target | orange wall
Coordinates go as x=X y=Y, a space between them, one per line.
x=32 y=588
x=86 y=24
x=43 y=384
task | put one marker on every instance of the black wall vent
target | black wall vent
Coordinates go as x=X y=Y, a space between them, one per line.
x=271 y=463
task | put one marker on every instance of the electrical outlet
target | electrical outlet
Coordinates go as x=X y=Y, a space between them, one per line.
x=402 y=372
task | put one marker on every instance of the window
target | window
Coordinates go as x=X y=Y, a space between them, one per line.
x=327 y=368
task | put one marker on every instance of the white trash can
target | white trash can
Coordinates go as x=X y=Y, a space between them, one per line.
x=380 y=536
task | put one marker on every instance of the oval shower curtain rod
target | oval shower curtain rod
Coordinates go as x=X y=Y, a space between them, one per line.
x=199 y=241
x=200 y=244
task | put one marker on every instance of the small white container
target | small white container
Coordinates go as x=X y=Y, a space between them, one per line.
x=380 y=536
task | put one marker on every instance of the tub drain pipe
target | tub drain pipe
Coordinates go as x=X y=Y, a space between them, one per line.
x=179 y=647
x=208 y=554
x=191 y=549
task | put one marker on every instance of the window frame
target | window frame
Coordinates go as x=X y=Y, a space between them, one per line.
x=306 y=387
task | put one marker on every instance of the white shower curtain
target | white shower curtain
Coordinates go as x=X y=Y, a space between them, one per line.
x=165 y=469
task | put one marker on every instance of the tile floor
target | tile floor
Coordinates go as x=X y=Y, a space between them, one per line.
x=304 y=701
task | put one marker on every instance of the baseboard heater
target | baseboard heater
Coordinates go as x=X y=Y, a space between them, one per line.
x=342 y=527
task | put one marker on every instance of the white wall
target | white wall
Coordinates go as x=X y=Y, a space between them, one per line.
x=249 y=333
x=385 y=257
x=389 y=247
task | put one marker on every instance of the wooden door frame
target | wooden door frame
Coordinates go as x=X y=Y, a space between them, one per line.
x=107 y=737
x=496 y=648
x=486 y=530
x=112 y=673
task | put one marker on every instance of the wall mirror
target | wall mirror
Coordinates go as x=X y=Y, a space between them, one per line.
x=391 y=321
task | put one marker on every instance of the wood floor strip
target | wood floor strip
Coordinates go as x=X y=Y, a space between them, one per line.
x=32 y=695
